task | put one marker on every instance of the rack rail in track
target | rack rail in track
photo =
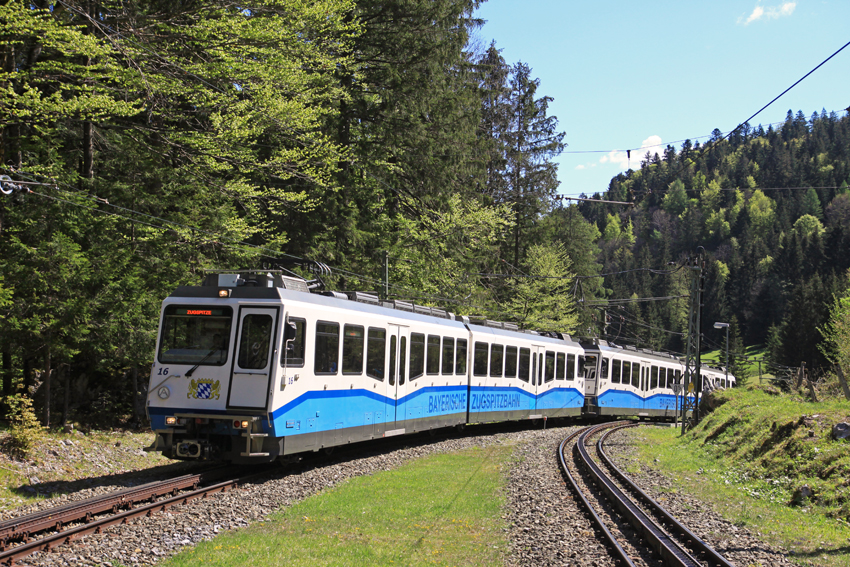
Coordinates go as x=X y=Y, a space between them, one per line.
x=692 y=552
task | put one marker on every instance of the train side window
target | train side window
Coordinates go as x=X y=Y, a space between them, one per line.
x=510 y=361
x=668 y=381
x=294 y=355
x=417 y=355
x=327 y=348
x=448 y=355
x=627 y=372
x=376 y=353
x=677 y=376
x=604 y=374
x=402 y=360
x=561 y=372
x=479 y=362
x=254 y=342
x=524 y=363
x=352 y=350
x=549 y=374
x=497 y=356
x=637 y=374
x=392 y=360
x=533 y=369
x=432 y=365
x=653 y=383
x=571 y=366
x=616 y=370
x=460 y=362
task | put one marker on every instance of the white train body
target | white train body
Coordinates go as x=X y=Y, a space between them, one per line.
x=253 y=368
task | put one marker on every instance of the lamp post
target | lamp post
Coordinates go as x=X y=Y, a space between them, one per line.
x=725 y=326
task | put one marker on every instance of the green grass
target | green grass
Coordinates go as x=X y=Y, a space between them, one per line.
x=441 y=510
x=754 y=354
x=750 y=454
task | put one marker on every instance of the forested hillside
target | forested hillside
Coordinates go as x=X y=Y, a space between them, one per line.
x=160 y=139
x=771 y=209
x=153 y=140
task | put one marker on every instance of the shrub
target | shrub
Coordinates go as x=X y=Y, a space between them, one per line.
x=25 y=430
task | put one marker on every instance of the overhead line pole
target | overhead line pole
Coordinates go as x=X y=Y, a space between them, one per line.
x=692 y=377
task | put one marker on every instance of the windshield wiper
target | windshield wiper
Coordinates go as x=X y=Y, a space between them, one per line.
x=203 y=360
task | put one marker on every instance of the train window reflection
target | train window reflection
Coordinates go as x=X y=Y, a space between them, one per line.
x=376 y=353
x=497 y=354
x=448 y=355
x=479 y=363
x=550 y=366
x=188 y=338
x=433 y=361
x=510 y=361
x=417 y=355
x=460 y=366
x=327 y=348
x=352 y=350
x=293 y=355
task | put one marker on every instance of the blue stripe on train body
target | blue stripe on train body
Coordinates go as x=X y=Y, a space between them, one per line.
x=614 y=398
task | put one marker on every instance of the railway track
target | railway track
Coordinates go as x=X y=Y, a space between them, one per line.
x=671 y=541
x=95 y=514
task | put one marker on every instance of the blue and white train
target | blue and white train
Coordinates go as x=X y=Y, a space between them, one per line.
x=252 y=366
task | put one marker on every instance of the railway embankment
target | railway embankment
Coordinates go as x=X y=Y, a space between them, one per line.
x=770 y=461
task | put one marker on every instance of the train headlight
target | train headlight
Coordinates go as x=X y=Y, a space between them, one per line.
x=224 y=293
x=163 y=392
x=171 y=420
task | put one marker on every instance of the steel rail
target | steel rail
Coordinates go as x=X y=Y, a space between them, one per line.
x=46 y=543
x=565 y=470
x=22 y=527
x=671 y=553
x=708 y=553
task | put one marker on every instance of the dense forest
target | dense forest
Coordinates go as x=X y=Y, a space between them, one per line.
x=771 y=209
x=146 y=142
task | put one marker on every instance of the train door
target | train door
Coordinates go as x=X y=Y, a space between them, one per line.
x=397 y=377
x=252 y=366
x=538 y=359
x=590 y=370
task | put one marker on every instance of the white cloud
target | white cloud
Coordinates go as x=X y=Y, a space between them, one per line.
x=769 y=13
x=579 y=166
x=622 y=159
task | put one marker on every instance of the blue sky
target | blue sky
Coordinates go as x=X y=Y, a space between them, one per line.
x=626 y=74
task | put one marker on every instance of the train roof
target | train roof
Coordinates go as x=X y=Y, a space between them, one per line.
x=605 y=346
x=282 y=288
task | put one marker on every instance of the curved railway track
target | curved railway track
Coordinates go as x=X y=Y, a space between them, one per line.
x=673 y=543
x=16 y=535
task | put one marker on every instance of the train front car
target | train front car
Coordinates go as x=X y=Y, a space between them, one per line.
x=211 y=378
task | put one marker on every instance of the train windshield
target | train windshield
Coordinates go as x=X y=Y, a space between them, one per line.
x=194 y=334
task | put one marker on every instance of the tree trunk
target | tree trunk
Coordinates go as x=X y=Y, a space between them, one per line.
x=47 y=375
x=135 y=373
x=7 y=370
x=27 y=375
x=66 y=375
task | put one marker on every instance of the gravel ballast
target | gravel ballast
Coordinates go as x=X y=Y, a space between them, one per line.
x=544 y=523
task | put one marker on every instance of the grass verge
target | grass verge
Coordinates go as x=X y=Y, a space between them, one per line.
x=441 y=510
x=750 y=457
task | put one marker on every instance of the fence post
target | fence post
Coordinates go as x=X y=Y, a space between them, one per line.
x=843 y=381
